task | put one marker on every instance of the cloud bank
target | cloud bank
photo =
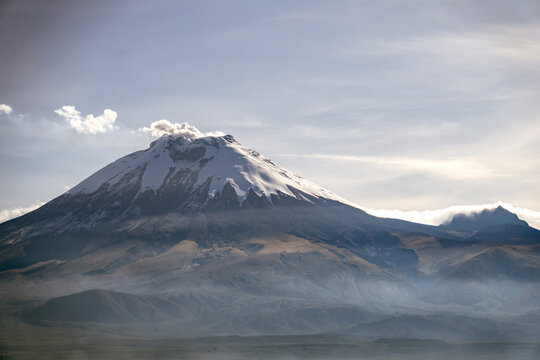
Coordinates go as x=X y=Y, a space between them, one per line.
x=8 y=214
x=90 y=124
x=185 y=130
x=439 y=216
x=6 y=109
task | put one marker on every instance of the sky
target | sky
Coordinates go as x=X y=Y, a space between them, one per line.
x=394 y=105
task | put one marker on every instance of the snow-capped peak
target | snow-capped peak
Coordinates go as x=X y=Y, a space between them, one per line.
x=193 y=161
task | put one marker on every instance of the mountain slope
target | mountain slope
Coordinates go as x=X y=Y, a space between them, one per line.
x=507 y=234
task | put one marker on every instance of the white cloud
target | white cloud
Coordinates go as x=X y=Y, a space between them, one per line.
x=489 y=47
x=6 y=109
x=501 y=56
x=248 y=123
x=438 y=216
x=90 y=124
x=455 y=168
x=165 y=127
x=8 y=214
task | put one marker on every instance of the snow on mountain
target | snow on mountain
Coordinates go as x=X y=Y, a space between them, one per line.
x=217 y=159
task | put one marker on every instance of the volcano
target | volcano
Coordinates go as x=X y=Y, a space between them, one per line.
x=203 y=235
x=206 y=189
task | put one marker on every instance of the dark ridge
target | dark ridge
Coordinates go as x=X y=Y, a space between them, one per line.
x=483 y=219
x=190 y=154
x=103 y=306
x=507 y=234
x=227 y=199
x=255 y=201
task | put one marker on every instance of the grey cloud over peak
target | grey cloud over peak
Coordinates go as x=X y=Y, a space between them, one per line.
x=165 y=127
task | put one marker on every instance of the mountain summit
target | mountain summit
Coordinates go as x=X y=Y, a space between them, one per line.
x=182 y=174
x=484 y=219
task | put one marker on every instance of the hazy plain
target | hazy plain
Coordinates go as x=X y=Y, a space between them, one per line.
x=19 y=340
x=275 y=347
